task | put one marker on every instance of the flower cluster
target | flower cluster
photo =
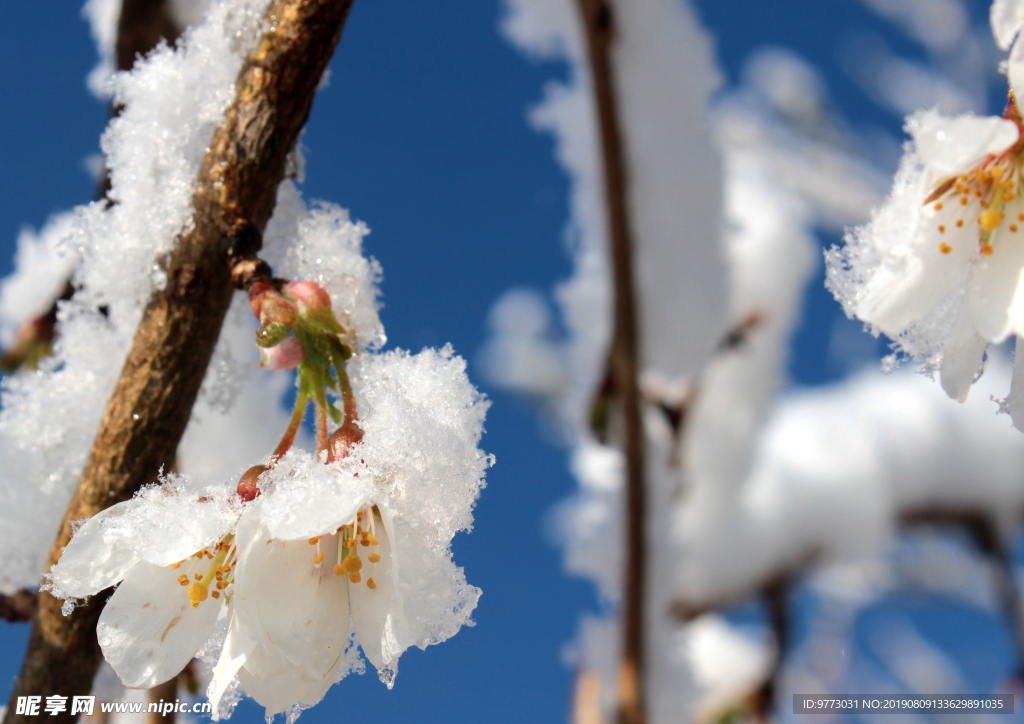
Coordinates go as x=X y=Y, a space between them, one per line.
x=306 y=550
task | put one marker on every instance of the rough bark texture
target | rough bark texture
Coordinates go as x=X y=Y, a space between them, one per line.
x=624 y=363
x=153 y=399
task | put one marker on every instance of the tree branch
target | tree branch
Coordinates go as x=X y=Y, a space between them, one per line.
x=153 y=399
x=624 y=363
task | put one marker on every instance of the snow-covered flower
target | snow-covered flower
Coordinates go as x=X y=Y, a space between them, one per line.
x=938 y=268
x=172 y=551
x=362 y=542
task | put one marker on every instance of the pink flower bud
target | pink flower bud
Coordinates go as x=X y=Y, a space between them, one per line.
x=247 y=487
x=283 y=356
x=311 y=294
x=342 y=440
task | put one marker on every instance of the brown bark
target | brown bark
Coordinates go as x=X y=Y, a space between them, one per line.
x=165 y=692
x=142 y=25
x=153 y=399
x=19 y=606
x=624 y=357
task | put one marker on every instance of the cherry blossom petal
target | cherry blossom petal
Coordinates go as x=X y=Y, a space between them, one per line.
x=168 y=525
x=911 y=279
x=91 y=562
x=274 y=682
x=992 y=293
x=1006 y=18
x=949 y=146
x=425 y=599
x=961 y=357
x=148 y=630
x=292 y=604
x=237 y=649
x=1015 y=65
x=377 y=614
x=311 y=498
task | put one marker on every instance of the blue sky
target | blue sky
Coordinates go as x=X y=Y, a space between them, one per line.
x=422 y=134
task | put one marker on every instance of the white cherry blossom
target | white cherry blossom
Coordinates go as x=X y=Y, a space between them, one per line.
x=360 y=542
x=938 y=268
x=171 y=551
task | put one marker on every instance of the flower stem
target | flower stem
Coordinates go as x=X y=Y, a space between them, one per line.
x=338 y=355
x=298 y=412
x=320 y=398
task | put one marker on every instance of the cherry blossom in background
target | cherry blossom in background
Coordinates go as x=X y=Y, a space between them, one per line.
x=938 y=268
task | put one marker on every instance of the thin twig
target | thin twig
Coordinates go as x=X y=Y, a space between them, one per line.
x=624 y=363
x=153 y=399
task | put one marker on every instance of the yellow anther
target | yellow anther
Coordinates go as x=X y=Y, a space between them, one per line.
x=370 y=584
x=319 y=557
x=196 y=593
x=176 y=565
x=942 y=229
x=199 y=576
x=945 y=248
x=313 y=541
x=183 y=579
x=373 y=540
x=221 y=585
x=959 y=223
x=989 y=220
x=1020 y=217
x=352 y=562
x=963 y=201
x=339 y=570
x=354 y=577
x=938 y=206
x=195 y=604
x=374 y=558
x=987 y=250
x=215 y=594
x=365 y=542
x=1013 y=227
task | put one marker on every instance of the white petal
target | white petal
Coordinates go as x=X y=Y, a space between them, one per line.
x=273 y=682
x=908 y=284
x=1015 y=66
x=949 y=146
x=293 y=604
x=170 y=524
x=237 y=648
x=1006 y=17
x=421 y=599
x=1015 y=402
x=90 y=562
x=310 y=498
x=961 y=357
x=995 y=282
x=377 y=614
x=148 y=630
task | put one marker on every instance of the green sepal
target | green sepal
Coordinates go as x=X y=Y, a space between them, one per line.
x=272 y=334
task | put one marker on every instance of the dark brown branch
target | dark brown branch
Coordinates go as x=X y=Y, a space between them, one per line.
x=141 y=27
x=153 y=399
x=19 y=606
x=624 y=363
